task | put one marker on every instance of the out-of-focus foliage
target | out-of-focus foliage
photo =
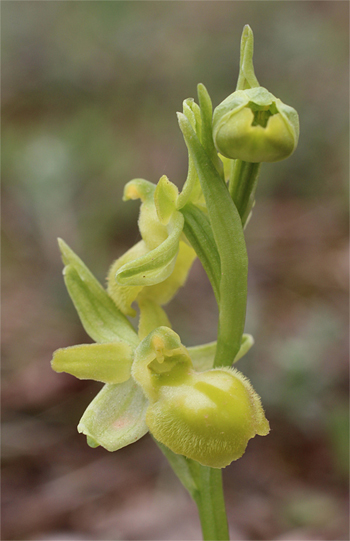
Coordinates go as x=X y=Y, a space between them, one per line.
x=89 y=94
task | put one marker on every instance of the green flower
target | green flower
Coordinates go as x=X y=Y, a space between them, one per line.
x=207 y=416
x=158 y=265
x=254 y=126
x=125 y=409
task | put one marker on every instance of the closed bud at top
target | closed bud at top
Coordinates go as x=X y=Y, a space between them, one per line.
x=254 y=126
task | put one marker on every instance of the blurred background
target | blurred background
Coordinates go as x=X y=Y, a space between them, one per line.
x=89 y=95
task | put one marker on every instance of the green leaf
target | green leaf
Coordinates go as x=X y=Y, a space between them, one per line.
x=198 y=231
x=109 y=363
x=206 y=139
x=229 y=238
x=100 y=317
x=116 y=417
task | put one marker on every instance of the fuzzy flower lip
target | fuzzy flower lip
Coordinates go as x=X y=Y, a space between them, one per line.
x=208 y=416
x=254 y=126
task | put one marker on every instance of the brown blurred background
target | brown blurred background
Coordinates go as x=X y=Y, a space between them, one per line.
x=89 y=95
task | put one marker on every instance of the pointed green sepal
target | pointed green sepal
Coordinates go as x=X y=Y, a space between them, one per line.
x=109 y=363
x=165 y=197
x=203 y=356
x=247 y=77
x=116 y=417
x=246 y=344
x=100 y=317
x=191 y=190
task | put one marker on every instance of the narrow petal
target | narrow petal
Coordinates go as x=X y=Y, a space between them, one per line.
x=203 y=356
x=116 y=417
x=101 y=318
x=246 y=344
x=151 y=316
x=109 y=363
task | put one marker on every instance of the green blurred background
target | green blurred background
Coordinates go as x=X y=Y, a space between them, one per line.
x=89 y=95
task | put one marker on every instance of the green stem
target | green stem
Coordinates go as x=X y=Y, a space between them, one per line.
x=242 y=186
x=205 y=486
x=211 y=504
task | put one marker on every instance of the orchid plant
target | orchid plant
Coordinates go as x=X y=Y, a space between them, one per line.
x=199 y=409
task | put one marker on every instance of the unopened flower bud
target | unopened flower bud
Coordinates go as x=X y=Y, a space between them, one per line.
x=254 y=126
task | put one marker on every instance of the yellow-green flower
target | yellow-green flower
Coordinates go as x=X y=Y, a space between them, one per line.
x=147 y=376
x=158 y=265
x=207 y=416
x=254 y=126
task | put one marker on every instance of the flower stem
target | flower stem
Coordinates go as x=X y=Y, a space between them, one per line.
x=210 y=503
x=242 y=186
x=205 y=486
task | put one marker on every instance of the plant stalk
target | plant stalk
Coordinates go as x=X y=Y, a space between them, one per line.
x=242 y=186
x=211 y=504
x=205 y=487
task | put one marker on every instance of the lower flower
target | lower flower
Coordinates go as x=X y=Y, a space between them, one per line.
x=207 y=416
